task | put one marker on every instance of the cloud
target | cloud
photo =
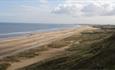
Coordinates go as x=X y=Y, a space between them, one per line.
x=86 y=8
x=40 y=11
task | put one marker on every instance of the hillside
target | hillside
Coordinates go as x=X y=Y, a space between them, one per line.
x=95 y=50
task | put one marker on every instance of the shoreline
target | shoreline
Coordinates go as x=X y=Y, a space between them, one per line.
x=12 y=47
x=51 y=52
x=18 y=34
x=18 y=44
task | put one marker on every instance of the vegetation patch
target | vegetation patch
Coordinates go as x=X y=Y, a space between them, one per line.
x=94 y=52
x=4 y=66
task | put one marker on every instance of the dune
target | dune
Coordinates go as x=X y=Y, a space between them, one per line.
x=94 y=52
x=13 y=46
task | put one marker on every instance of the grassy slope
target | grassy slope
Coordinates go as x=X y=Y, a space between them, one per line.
x=95 y=52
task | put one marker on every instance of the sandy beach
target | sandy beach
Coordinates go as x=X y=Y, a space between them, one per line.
x=16 y=45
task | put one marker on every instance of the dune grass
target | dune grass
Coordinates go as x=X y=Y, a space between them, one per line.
x=94 y=52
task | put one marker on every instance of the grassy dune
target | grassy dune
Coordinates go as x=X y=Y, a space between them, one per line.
x=89 y=51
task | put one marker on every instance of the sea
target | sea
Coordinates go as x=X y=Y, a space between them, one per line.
x=17 y=29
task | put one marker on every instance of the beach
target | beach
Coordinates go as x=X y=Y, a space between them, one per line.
x=57 y=35
x=13 y=46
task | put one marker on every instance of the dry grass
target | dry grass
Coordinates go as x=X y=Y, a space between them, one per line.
x=87 y=55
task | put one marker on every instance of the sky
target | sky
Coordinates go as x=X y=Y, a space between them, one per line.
x=58 y=11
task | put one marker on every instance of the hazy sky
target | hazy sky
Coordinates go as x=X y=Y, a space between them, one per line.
x=58 y=11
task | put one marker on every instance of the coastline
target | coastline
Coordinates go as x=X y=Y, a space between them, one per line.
x=18 y=34
x=35 y=38
x=16 y=45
